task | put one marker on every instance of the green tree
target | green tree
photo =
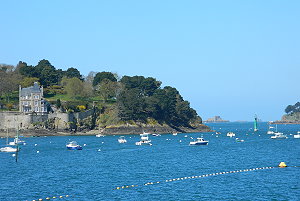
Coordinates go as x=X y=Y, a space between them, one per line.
x=58 y=103
x=289 y=109
x=131 y=105
x=73 y=86
x=103 y=75
x=107 y=89
x=29 y=81
x=25 y=70
x=73 y=72
x=146 y=86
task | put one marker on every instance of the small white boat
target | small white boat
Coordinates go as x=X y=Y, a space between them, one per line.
x=230 y=134
x=122 y=139
x=279 y=135
x=155 y=134
x=99 y=135
x=174 y=133
x=239 y=140
x=144 y=140
x=270 y=131
x=297 y=135
x=199 y=141
x=8 y=149
x=73 y=146
x=17 y=141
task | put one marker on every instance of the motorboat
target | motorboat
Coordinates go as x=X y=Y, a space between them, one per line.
x=230 y=134
x=73 y=146
x=17 y=141
x=155 y=134
x=270 y=132
x=8 y=149
x=174 y=133
x=144 y=140
x=122 y=139
x=297 y=135
x=99 y=135
x=278 y=135
x=199 y=141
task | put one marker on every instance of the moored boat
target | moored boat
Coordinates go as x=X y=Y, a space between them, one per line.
x=17 y=141
x=199 y=141
x=230 y=134
x=8 y=149
x=122 y=140
x=278 y=135
x=73 y=146
x=144 y=140
x=297 y=135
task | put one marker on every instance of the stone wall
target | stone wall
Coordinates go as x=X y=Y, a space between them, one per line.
x=12 y=120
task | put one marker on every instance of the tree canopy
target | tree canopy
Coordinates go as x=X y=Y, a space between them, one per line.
x=136 y=98
x=99 y=77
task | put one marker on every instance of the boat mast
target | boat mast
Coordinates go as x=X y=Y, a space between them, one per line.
x=17 y=144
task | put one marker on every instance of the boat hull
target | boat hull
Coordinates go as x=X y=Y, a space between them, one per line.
x=143 y=143
x=8 y=149
x=74 y=148
x=198 y=143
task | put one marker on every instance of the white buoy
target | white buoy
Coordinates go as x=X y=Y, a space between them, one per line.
x=102 y=142
x=13 y=155
x=35 y=144
x=37 y=151
x=99 y=149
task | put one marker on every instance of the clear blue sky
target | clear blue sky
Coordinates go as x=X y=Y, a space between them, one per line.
x=229 y=58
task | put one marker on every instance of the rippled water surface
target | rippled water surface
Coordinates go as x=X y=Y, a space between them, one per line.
x=103 y=165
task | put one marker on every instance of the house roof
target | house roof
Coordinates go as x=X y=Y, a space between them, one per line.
x=29 y=90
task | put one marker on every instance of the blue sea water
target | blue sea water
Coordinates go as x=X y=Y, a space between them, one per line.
x=45 y=168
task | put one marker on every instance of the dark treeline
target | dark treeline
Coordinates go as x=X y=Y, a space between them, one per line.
x=132 y=98
x=290 y=109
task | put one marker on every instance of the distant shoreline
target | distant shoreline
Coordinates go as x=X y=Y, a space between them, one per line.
x=284 y=122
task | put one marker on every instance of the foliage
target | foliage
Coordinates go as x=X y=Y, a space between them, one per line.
x=58 y=103
x=28 y=81
x=107 y=89
x=99 y=77
x=9 y=106
x=136 y=99
x=73 y=72
x=81 y=107
x=290 y=109
x=73 y=86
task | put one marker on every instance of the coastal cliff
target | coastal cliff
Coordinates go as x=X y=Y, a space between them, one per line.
x=293 y=118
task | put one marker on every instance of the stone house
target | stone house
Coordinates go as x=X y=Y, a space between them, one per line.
x=31 y=100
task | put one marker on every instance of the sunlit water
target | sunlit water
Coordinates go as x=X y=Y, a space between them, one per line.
x=103 y=165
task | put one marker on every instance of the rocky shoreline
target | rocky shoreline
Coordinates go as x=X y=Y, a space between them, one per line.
x=113 y=130
x=285 y=122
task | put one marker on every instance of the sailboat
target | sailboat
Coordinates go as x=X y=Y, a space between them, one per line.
x=8 y=149
x=270 y=131
x=255 y=124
